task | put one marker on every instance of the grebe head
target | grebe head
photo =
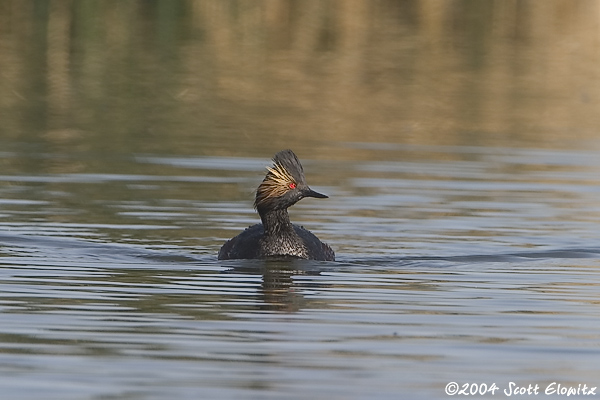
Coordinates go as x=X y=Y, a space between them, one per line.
x=284 y=184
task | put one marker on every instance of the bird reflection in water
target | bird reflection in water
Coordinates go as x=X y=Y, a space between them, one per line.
x=278 y=290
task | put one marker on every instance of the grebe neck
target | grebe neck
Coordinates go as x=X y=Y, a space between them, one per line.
x=276 y=222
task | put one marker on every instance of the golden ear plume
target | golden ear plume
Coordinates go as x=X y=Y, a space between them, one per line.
x=276 y=183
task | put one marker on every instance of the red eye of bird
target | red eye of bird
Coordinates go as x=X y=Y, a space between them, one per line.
x=292 y=185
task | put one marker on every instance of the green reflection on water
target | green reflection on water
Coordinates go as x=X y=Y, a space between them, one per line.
x=249 y=78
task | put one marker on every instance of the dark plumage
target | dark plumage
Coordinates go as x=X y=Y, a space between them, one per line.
x=283 y=187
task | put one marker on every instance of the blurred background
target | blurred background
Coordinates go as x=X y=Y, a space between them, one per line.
x=238 y=77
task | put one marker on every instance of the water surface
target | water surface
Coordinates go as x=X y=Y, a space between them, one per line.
x=480 y=269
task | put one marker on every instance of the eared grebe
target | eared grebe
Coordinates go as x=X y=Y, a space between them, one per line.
x=283 y=186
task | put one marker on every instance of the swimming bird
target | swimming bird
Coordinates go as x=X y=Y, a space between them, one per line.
x=283 y=186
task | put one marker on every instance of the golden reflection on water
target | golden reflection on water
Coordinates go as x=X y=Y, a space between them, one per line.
x=249 y=78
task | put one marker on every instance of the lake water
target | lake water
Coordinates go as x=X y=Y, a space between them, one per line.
x=464 y=209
